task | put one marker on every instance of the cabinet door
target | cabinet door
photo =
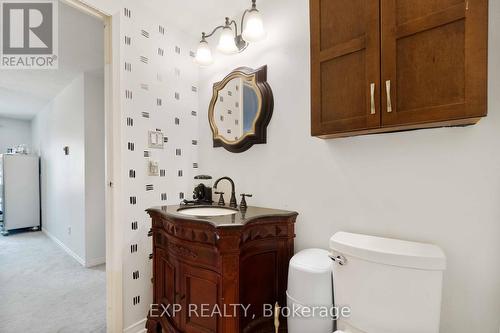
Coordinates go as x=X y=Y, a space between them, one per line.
x=166 y=282
x=201 y=288
x=434 y=55
x=345 y=66
x=260 y=285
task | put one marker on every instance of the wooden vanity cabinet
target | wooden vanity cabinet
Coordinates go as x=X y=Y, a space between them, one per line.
x=197 y=263
x=390 y=65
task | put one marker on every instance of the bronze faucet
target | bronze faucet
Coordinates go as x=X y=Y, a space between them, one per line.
x=243 y=203
x=232 y=201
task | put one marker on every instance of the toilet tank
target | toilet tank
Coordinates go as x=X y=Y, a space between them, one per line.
x=390 y=285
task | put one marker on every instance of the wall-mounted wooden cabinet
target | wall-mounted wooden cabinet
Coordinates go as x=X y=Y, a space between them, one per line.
x=390 y=65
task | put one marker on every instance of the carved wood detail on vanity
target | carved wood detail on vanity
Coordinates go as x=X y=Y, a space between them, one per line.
x=220 y=261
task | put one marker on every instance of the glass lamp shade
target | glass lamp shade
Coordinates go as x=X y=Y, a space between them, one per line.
x=253 y=30
x=226 y=41
x=203 y=54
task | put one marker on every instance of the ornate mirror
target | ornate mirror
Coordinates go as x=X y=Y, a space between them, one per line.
x=240 y=109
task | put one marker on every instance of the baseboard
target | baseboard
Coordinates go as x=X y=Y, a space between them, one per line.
x=139 y=327
x=95 y=262
x=75 y=256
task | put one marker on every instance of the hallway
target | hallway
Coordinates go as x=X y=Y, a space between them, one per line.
x=44 y=290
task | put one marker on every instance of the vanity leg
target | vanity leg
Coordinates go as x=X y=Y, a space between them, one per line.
x=228 y=242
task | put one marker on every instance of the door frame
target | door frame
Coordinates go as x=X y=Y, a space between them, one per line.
x=114 y=270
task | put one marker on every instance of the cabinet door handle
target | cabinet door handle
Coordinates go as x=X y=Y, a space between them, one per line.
x=388 y=91
x=372 y=98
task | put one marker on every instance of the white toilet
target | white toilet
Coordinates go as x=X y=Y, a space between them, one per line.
x=389 y=285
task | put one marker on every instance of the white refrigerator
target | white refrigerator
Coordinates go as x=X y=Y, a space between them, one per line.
x=19 y=192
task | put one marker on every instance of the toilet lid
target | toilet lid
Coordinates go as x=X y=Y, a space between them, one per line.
x=389 y=251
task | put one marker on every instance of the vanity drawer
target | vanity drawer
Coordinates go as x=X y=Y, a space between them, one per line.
x=194 y=254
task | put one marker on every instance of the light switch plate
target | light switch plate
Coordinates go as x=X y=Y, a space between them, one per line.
x=155 y=139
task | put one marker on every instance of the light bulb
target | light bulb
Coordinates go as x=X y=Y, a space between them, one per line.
x=203 y=54
x=253 y=30
x=226 y=41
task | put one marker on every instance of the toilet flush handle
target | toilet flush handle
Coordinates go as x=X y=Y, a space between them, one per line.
x=340 y=259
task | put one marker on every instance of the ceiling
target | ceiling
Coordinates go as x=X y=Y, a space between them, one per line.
x=25 y=92
x=195 y=16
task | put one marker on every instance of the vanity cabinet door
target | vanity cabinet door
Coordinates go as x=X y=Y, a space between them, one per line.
x=434 y=55
x=201 y=293
x=166 y=282
x=345 y=66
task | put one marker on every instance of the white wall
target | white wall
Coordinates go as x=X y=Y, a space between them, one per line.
x=60 y=124
x=72 y=186
x=439 y=185
x=14 y=132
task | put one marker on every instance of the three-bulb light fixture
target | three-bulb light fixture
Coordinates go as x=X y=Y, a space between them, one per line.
x=230 y=42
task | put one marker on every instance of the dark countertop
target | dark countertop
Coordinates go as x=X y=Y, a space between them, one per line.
x=233 y=220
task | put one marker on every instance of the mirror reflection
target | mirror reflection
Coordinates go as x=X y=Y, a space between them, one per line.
x=237 y=108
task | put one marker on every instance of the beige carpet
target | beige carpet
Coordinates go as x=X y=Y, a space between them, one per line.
x=44 y=290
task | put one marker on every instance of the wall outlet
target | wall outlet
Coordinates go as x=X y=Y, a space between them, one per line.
x=69 y=230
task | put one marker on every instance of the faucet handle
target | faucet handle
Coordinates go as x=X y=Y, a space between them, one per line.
x=243 y=203
x=221 y=199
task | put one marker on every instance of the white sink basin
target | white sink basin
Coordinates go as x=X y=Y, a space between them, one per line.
x=206 y=211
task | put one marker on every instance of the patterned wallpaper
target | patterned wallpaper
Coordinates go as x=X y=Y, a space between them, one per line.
x=159 y=106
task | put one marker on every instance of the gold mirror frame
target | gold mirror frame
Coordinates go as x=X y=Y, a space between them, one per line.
x=258 y=135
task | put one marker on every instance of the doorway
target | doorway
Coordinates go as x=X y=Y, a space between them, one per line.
x=65 y=261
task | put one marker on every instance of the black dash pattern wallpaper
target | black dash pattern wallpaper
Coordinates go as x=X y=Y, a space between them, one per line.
x=158 y=81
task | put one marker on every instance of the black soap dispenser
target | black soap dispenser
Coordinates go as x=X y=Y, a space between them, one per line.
x=202 y=193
